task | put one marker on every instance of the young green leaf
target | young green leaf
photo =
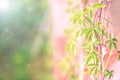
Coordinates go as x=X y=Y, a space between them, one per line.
x=88 y=59
x=94 y=70
x=99 y=24
x=68 y=31
x=91 y=13
x=98 y=41
x=71 y=46
x=86 y=11
x=110 y=35
x=87 y=32
x=89 y=21
x=87 y=46
x=118 y=55
x=109 y=74
x=91 y=65
x=112 y=43
x=76 y=17
x=99 y=5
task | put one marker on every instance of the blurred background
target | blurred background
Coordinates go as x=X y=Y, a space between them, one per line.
x=25 y=40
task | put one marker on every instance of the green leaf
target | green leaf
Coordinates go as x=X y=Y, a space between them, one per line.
x=94 y=70
x=112 y=43
x=68 y=31
x=91 y=65
x=99 y=24
x=73 y=76
x=103 y=33
x=67 y=49
x=88 y=59
x=87 y=32
x=86 y=11
x=110 y=35
x=98 y=30
x=78 y=32
x=109 y=73
x=91 y=13
x=98 y=41
x=101 y=67
x=98 y=5
x=111 y=46
x=87 y=46
x=71 y=46
x=108 y=42
x=91 y=59
x=76 y=17
x=118 y=55
x=115 y=45
x=114 y=39
x=89 y=21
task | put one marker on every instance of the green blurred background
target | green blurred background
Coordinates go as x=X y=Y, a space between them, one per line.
x=25 y=52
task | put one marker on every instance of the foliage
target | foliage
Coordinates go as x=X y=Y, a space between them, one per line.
x=89 y=25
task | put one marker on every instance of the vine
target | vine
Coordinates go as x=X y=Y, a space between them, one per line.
x=91 y=24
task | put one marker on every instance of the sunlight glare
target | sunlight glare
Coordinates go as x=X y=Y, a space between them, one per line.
x=4 y=5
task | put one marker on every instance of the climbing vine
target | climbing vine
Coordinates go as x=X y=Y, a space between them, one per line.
x=90 y=25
